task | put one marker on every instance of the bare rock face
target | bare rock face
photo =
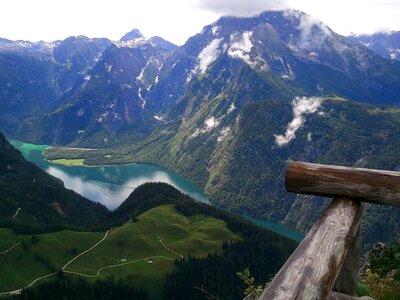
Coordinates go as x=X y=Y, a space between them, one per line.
x=377 y=250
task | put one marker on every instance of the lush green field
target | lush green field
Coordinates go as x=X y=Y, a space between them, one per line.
x=68 y=162
x=19 y=267
x=133 y=245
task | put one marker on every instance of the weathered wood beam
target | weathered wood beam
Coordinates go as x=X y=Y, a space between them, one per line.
x=375 y=186
x=311 y=270
x=338 y=296
x=332 y=296
x=346 y=282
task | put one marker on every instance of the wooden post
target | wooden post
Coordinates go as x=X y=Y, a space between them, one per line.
x=311 y=270
x=375 y=186
x=346 y=282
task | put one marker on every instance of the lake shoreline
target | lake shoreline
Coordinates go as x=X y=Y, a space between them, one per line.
x=105 y=183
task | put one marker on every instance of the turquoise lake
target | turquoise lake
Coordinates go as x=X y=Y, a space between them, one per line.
x=111 y=185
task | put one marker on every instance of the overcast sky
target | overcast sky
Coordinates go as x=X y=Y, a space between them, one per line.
x=176 y=20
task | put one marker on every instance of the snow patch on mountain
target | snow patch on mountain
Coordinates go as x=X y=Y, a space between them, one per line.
x=108 y=67
x=301 y=107
x=134 y=43
x=98 y=56
x=175 y=63
x=141 y=74
x=215 y=30
x=189 y=77
x=394 y=53
x=158 y=117
x=240 y=47
x=152 y=61
x=141 y=97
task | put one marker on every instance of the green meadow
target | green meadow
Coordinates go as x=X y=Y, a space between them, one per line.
x=142 y=252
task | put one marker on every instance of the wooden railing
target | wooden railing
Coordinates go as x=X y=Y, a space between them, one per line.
x=328 y=256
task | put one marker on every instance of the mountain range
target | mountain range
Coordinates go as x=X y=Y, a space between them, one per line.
x=114 y=93
x=96 y=85
x=227 y=110
x=386 y=44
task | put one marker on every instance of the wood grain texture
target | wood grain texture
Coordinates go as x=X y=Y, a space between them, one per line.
x=338 y=296
x=375 y=186
x=311 y=270
x=346 y=282
x=332 y=296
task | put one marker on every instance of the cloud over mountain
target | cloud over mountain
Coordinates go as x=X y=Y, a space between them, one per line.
x=240 y=7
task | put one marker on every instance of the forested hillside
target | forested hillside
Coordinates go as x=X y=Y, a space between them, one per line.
x=244 y=171
x=34 y=201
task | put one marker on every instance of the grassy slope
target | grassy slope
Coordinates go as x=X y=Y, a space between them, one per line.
x=68 y=162
x=19 y=266
x=196 y=235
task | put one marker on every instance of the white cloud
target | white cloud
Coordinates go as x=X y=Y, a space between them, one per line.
x=224 y=132
x=360 y=16
x=231 y=108
x=209 y=124
x=241 y=47
x=80 y=112
x=179 y=19
x=209 y=54
x=102 y=18
x=313 y=32
x=301 y=106
x=241 y=7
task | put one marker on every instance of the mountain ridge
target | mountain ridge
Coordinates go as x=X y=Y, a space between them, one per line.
x=386 y=44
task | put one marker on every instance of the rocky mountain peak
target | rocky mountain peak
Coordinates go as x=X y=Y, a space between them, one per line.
x=132 y=35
